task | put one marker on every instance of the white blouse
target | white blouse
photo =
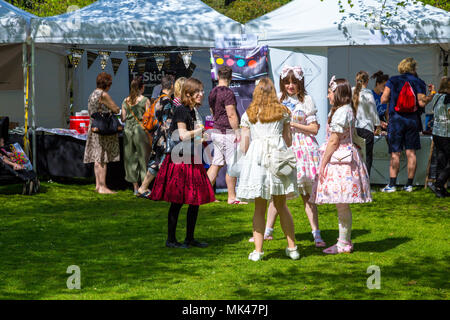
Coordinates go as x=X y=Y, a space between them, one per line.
x=342 y=119
x=307 y=106
x=366 y=115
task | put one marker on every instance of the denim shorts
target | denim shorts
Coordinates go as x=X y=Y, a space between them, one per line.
x=154 y=164
x=403 y=133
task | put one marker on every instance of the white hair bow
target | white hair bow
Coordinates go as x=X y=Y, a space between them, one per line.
x=333 y=84
x=297 y=70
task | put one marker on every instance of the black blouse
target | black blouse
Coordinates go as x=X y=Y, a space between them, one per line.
x=183 y=114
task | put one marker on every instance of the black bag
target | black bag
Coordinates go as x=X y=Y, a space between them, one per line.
x=171 y=144
x=105 y=123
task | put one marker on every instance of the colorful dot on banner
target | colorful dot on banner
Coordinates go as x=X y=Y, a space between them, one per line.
x=252 y=64
x=230 y=62
x=219 y=61
x=241 y=63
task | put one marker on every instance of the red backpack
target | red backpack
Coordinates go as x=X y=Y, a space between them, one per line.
x=406 y=101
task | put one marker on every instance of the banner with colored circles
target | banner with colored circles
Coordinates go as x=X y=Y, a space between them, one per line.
x=247 y=64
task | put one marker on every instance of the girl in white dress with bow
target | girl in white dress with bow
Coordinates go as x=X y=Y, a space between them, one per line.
x=265 y=137
x=304 y=127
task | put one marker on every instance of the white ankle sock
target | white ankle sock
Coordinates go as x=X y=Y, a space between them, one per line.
x=268 y=232
x=316 y=234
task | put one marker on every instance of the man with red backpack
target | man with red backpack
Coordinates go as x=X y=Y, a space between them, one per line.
x=406 y=95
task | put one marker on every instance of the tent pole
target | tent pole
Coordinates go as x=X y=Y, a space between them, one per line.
x=33 y=67
x=25 y=97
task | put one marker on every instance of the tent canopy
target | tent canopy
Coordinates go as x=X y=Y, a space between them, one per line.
x=309 y=23
x=136 y=22
x=14 y=23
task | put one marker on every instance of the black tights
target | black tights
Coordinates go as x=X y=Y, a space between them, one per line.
x=174 y=211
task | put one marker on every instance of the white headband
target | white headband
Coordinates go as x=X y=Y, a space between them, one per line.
x=333 y=84
x=297 y=70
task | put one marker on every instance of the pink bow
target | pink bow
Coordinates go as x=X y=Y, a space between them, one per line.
x=333 y=84
x=297 y=70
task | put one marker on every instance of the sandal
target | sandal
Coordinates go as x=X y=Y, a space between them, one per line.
x=335 y=249
x=237 y=202
x=145 y=195
x=319 y=242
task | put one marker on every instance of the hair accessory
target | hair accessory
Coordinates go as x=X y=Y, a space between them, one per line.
x=333 y=85
x=257 y=82
x=297 y=70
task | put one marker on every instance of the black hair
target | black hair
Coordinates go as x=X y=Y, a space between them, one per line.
x=380 y=77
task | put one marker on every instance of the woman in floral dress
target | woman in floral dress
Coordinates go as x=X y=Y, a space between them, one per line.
x=343 y=177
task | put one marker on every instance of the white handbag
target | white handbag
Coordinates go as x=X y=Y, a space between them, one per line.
x=341 y=156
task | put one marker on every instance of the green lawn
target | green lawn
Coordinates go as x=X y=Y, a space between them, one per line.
x=118 y=243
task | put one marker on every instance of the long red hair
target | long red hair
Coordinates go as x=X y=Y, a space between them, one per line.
x=265 y=106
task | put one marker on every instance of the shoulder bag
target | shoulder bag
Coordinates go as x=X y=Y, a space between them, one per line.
x=149 y=136
x=105 y=123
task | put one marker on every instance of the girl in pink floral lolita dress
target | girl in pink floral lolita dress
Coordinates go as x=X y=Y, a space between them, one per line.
x=341 y=183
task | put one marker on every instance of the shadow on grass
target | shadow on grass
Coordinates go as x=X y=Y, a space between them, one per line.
x=341 y=278
x=367 y=246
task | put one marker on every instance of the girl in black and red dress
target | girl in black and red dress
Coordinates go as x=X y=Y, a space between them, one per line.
x=182 y=180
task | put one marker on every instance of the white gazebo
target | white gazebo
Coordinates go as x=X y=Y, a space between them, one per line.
x=327 y=41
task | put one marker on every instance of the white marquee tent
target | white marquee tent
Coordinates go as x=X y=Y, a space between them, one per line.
x=137 y=22
x=14 y=23
x=114 y=25
x=325 y=41
x=14 y=30
x=316 y=35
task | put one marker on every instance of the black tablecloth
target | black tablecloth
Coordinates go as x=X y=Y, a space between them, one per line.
x=62 y=156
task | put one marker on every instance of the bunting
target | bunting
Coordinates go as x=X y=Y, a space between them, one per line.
x=116 y=64
x=91 y=57
x=104 y=56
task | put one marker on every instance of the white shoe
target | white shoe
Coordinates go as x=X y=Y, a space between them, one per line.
x=255 y=255
x=408 y=188
x=389 y=189
x=293 y=253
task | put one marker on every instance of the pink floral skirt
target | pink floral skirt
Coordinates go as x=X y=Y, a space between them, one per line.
x=343 y=183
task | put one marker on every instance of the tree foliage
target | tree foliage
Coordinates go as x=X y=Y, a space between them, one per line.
x=239 y=10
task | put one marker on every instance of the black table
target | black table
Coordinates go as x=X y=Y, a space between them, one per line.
x=62 y=156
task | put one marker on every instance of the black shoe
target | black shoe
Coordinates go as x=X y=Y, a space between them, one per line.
x=432 y=187
x=175 y=244
x=441 y=193
x=195 y=243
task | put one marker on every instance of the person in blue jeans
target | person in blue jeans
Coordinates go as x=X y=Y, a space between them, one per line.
x=404 y=127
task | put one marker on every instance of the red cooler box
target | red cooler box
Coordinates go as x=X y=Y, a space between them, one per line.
x=79 y=123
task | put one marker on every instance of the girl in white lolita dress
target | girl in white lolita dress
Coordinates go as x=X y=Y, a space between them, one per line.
x=263 y=137
x=341 y=183
x=304 y=128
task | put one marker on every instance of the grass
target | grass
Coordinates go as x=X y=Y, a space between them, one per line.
x=118 y=243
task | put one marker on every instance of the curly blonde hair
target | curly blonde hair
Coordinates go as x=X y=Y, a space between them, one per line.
x=265 y=106
x=407 y=65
